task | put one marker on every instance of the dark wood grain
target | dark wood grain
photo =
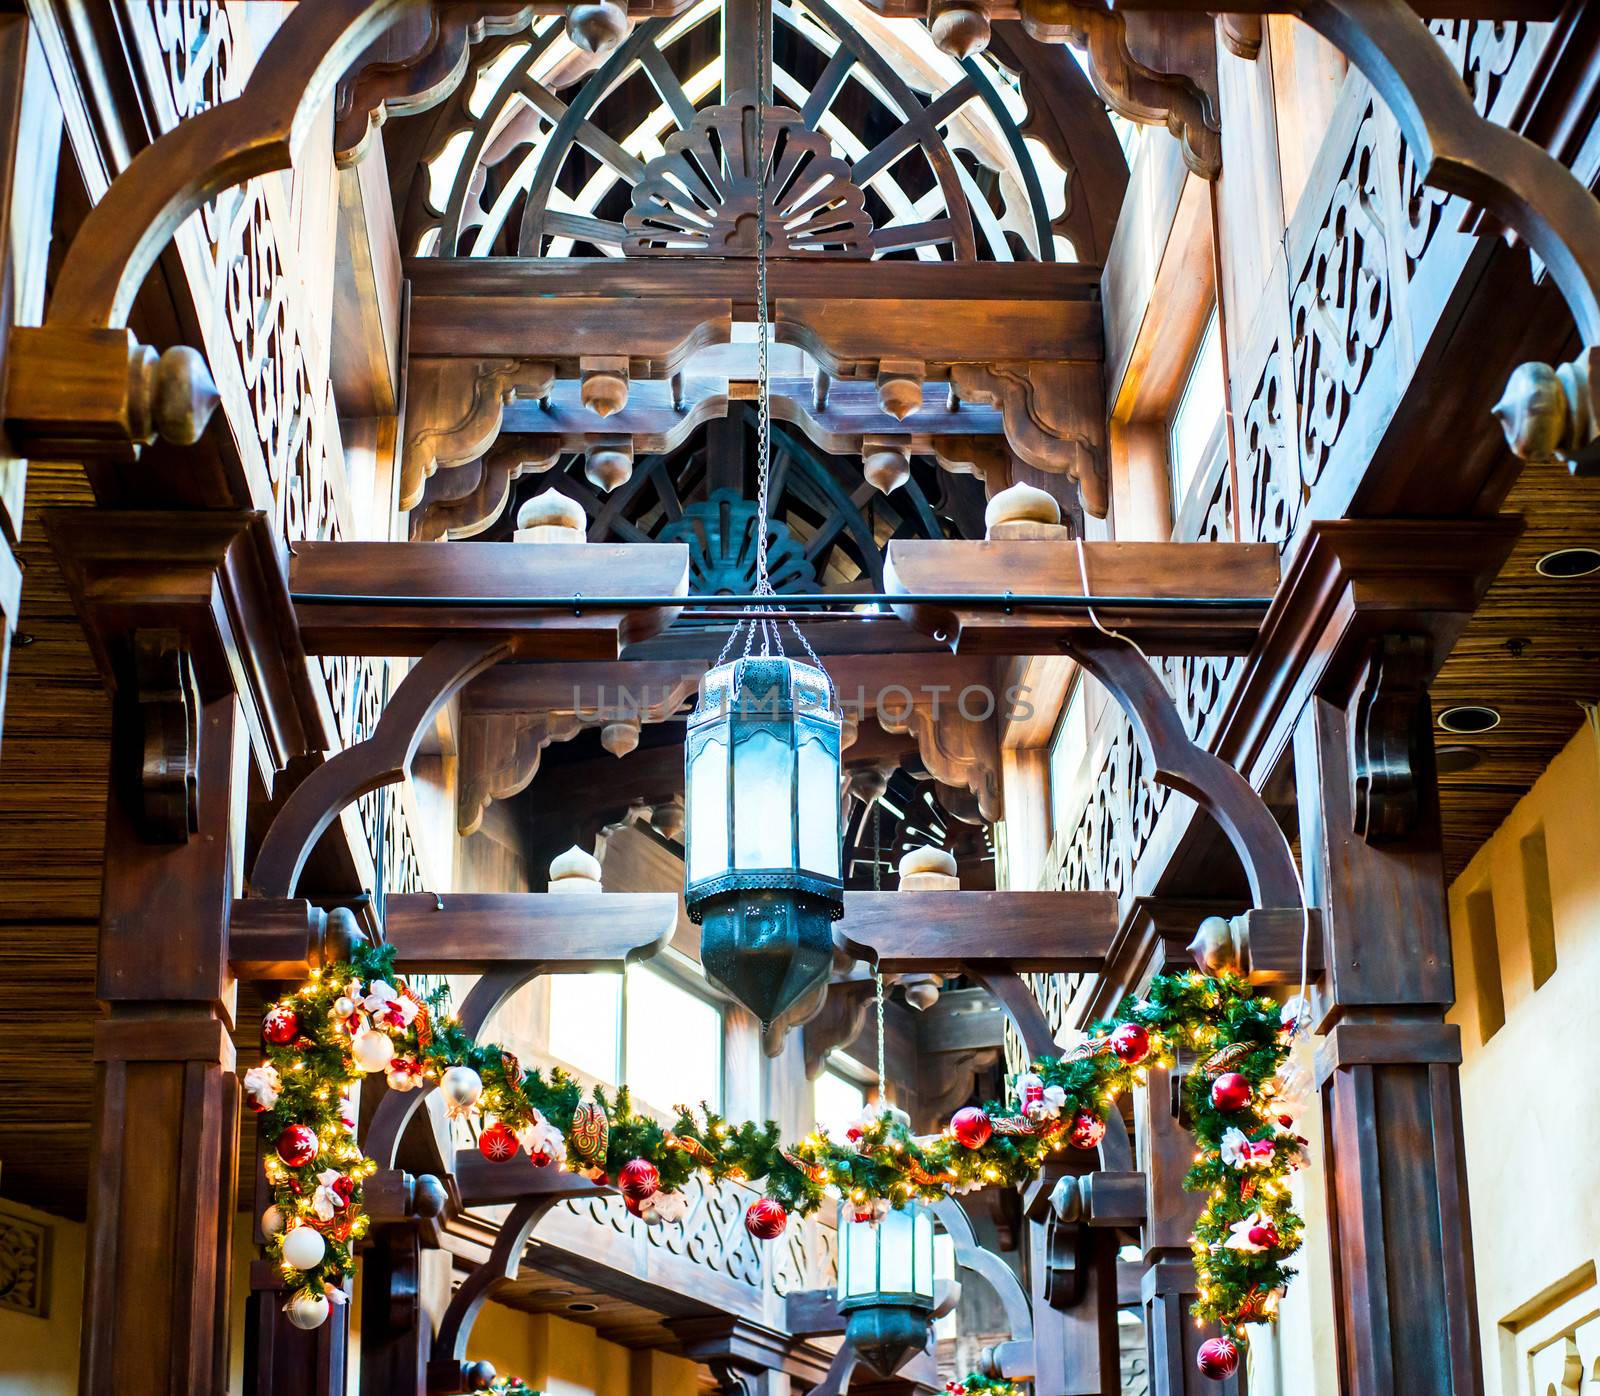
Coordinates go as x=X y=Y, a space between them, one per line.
x=474 y=933
x=1022 y=931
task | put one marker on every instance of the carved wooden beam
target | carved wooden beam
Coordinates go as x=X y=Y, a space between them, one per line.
x=946 y=932
x=394 y=598
x=1239 y=577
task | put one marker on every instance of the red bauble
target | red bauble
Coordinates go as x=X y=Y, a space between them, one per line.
x=1264 y=1235
x=539 y=1158
x=1218 y=1358
x=281 y=1026
x=497 y=1143
x=971 y=1127
x=765 y=1219
x=633 y=1206
x=1130 y=1043
x=345 y=1186
x=639 y=1180
x=1088 y=1129
x=1230 y=1092
x=297 y=1145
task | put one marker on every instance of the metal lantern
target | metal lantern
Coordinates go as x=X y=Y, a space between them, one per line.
x=886 y=1284
x=762 y=815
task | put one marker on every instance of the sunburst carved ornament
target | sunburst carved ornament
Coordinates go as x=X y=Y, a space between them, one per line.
x=698 y=197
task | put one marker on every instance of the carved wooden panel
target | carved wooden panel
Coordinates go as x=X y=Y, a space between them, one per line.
x=24 y=1274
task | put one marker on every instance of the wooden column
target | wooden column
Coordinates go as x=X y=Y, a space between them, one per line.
x=1404 y=1300
x=162 y=1190
x=1072 y=1272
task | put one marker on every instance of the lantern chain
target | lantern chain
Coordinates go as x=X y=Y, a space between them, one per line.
x=877 y=974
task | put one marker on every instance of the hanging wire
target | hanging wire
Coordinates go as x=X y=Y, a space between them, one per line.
x=877 y=974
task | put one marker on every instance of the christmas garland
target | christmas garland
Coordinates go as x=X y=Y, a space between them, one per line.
x=358 y=1019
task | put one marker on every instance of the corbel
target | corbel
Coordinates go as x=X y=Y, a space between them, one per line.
x=100 y=395
x=500 y=757
x=463 y=502
x=956 y=750
x=455 y=409
x=1391 y=738
x=1157 y=69
x=1048 y=408
x=157 y=700
x=419 y=81
x=987 y=458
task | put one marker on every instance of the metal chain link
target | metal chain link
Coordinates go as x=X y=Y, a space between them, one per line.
x=877 y=974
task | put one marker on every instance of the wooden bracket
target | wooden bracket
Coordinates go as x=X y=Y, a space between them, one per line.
x=159 y=701
x=1391 y=739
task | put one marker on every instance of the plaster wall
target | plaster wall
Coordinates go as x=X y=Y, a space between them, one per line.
x=561 y=1358
x=1525 y=925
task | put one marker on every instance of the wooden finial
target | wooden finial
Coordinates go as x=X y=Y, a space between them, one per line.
x=619 y=738
x=1548 y=413
x=599 y=27
x=551 y=517
x=961 y=28
x=928 y=869
x=900 y=386
x=885 y=465
x=603 y=383
x=608 y=464
x=575 y=873
x=184 y=396
x=1022 y=511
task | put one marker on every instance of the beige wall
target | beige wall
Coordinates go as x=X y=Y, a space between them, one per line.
x=39 y=1356
x=561 y=1358
x=1531 y=1085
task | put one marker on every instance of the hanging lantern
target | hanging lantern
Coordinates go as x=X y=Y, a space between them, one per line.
x=886 y=1284
x=762 y=803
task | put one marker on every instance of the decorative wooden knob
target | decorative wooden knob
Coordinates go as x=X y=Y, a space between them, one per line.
x=1021 y=504
x=900 y=386
x=961 y=30
x=604 y=388
x=667 y=819
x=185 y=396
x=340 y=935
x=551 y=517
x=575 y=872
x=619 y=738
x=928 y=869
x=606 y=467
x=886 y=467
x=597 y=28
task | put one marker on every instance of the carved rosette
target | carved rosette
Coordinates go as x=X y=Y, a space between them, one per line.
x=699 y=196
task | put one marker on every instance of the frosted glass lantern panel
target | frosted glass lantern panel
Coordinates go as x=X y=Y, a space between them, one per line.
x=861 y=1258
x=895 y=1233
x=763 y=824
x=922 y=1223
x=708 y=810
x=819 y=807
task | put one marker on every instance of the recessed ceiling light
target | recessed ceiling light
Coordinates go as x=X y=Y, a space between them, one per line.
x=1569 y=562
x=582 y=1308
x=1469 y=717
x=1453 y=760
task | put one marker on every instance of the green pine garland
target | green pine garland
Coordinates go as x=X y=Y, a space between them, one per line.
x=1244 y=1239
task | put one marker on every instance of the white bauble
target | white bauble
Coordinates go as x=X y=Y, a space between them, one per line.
x=272 y=1221
x=461 y=1086
x=343 y=1007
x=304 y=1248
x=372 y=1049
x=307 y=1310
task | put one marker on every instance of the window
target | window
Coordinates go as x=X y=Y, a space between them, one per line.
x=837 y=1101
x=648 y=1029
x=1069 y=762
x=1196 y=424
x=944 y=1268
x=672 y=1043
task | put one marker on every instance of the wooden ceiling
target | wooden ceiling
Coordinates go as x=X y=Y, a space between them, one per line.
x=54 y=754
x=1532 y=653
